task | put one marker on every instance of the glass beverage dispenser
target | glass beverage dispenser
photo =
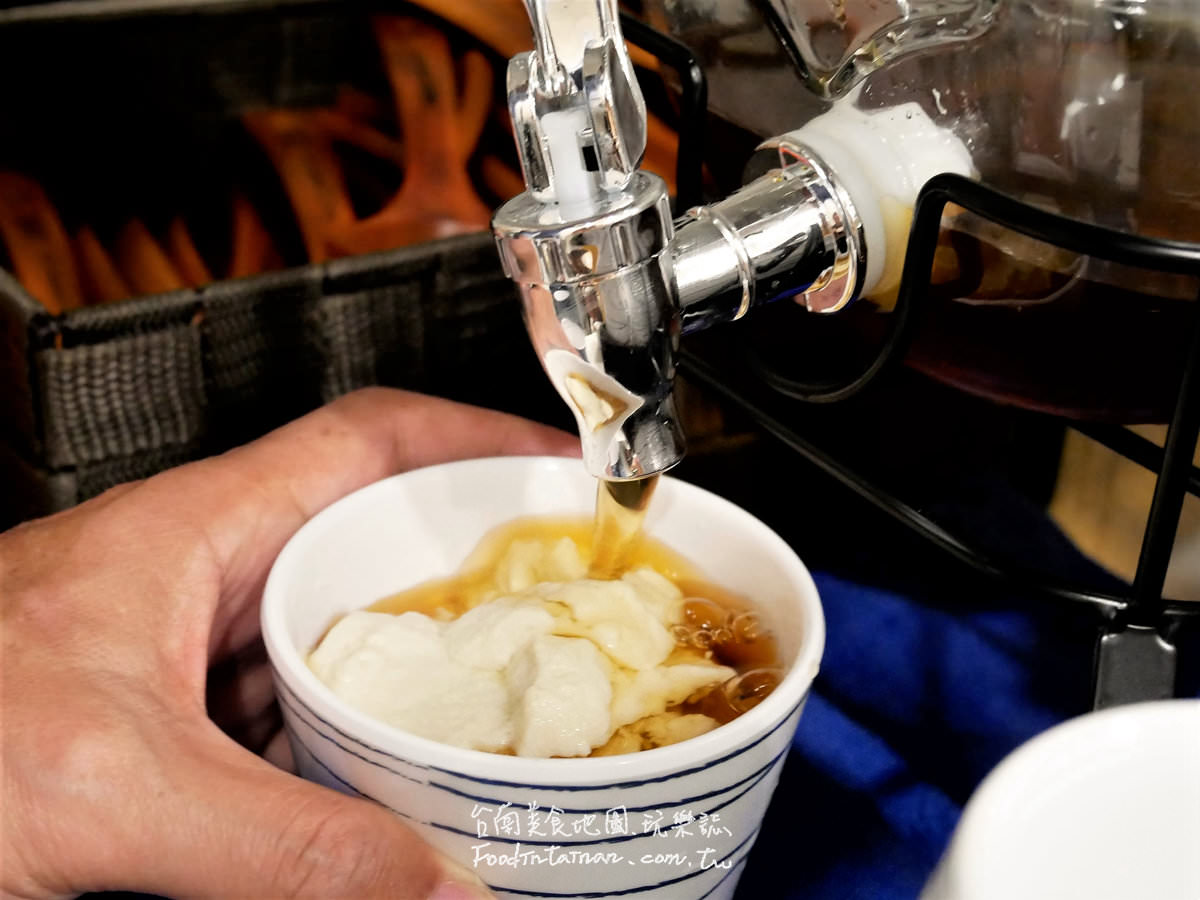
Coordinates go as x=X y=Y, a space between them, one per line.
x=1024 y=169
x=1077 y=107
x=1071 y=106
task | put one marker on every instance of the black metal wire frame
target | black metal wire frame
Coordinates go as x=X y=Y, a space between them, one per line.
x=1144 y=605
x=689 y=161
x=1133 y=447
x=1111 y=607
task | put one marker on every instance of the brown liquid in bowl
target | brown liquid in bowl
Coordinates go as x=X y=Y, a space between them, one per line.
x=719 y=624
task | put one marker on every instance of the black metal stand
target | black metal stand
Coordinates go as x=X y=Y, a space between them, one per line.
x=1135 y=655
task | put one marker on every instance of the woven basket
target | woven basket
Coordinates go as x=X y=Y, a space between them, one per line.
x=135 y=110
x=109 y=394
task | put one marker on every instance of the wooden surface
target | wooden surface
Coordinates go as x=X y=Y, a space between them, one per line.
x=1102 y=500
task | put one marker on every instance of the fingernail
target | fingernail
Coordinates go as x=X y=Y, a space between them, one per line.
x=460 y=884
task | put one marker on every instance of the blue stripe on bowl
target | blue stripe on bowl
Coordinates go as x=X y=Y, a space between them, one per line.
x=631 y=784
x=732 y=871
x=630 y=809
x=737 y=866
x=292 y=709
x=296 y=701
x=496 y=839
x=342 y=781
x=625 y=892
x=520 y=784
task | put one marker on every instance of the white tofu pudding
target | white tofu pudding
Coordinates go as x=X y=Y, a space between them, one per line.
x=525 y=654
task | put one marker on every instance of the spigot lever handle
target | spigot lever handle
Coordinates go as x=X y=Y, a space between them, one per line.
x=577 y=108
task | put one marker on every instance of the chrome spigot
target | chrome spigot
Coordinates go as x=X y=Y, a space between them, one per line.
x=608 y=281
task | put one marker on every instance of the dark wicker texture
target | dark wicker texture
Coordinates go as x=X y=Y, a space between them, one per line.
x=109 y=394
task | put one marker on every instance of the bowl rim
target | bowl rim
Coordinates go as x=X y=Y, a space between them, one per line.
x=291 y=669
x=1092 y=740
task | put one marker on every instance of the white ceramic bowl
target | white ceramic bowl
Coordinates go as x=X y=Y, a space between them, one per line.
x=537 y=827
x=1104 y=807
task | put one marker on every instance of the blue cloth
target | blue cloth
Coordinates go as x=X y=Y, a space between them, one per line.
x=913 y=706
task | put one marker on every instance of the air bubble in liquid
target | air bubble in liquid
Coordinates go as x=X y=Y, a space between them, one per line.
x=705 y=614
x=746 y=691
x=745 y=627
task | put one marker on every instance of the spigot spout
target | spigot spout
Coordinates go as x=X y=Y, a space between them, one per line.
x=600 y=308
x=588 y=241
x=607 y=283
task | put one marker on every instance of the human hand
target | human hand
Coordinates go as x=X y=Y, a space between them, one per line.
x=114 y=775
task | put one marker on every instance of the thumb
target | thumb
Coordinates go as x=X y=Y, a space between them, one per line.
x=238 y=826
